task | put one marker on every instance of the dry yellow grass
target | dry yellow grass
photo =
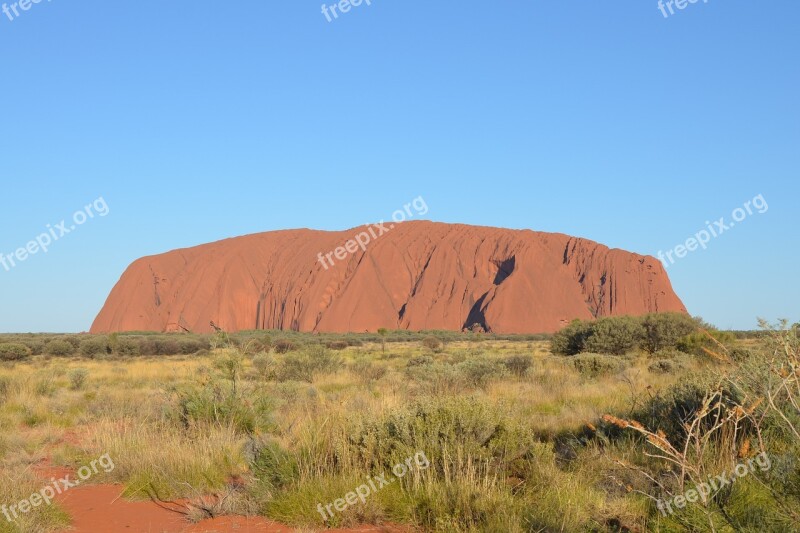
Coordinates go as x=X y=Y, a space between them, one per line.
x=124 y=409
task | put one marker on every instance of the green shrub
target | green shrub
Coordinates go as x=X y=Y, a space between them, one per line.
x=77 y=378
x=266 y=366
x=148 y=347
x=213 y=403
x=5 y=386
x=272 y=466
x=571 y=339
x=284 y=346
x=46 y=386
x=518 y=365
x=230 y=363
x=665 y=330
x=618 y=335
x=36 y=346
x=337 y=345
x=479 y=372
x=614 y=335
x=697 y=343
x=444 y=429
x=592 y=365
x=739 y=354
x=127 y=347
x=306 y=365
x=437 y=379
x=420 y=360
x=191 y=346
x=59 y=348
x=433 y=344
x=94 y=346
x=367 y=371
x=665 y=366
x=168 y=346
x=670 y=409
x=74 y=340
x=13 y=351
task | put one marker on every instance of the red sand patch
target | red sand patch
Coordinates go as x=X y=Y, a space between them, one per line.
x=101 y=509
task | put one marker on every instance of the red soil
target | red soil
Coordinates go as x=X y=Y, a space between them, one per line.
x=101 y=509
x=418 y=276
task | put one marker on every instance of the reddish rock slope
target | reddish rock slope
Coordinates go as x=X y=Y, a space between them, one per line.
x=419 y=275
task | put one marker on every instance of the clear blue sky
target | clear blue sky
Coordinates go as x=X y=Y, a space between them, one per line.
x=197 y=121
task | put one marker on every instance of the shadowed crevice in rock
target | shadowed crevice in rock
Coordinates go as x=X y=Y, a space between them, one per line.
x=504 y=269
x=476 y=315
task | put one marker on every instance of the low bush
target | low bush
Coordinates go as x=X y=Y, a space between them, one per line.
x=191 y=346
x=74 y=340
x=437 y=379
x=420 y=360
x=59 y=348
x=168 y=347
x=36 y=346
x=272 y=466
x=571 y=339
x=94 y=346
x=665 y=366
x=445 y=429
x=592 y=365
x=266 y=366
x=618 y=335
x=518 y=365
x=284 y=346
x=367 y=371
x=670 y=409
x=213 y=403
x=171 y=346
x=711 y=339
x=77 y=378
x=337 y=345
x=306 y=365
x=740 y=355
x=614 y=335
x=433 y=344
x=127 y=348
x=665 y=330
x=479 y=372
x=5 y=386
x=13 y=352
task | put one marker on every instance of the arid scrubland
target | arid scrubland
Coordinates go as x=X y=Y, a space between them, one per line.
x=519 y=438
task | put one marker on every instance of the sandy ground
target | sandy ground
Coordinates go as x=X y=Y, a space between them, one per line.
x=102 y=509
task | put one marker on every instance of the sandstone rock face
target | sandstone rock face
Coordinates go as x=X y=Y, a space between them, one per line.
x=418 y=275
